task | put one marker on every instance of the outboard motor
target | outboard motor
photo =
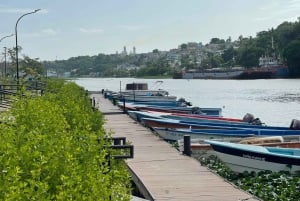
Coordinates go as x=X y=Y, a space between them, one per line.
x=248 y=117
x=197 y=110
x=183 y=103
x=256 y=121
x=295 y=124
x=251 y=120
x=188 y=103
x=181 y=100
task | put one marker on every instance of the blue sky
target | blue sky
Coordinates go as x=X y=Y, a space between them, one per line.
x=70 y=28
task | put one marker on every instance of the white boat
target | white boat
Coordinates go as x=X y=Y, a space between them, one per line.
x=244 y=157
x=141 y=89
x=147 y=98
x=139 y=92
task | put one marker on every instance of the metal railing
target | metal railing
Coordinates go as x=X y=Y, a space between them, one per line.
x=11 y=92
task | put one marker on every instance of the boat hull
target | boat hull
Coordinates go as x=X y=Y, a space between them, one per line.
x=279 y=71
x=212 y=75
x=170 y=123
x=256 y=158
x=175 y=134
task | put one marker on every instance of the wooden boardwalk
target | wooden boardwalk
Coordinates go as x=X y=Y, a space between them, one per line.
x=161 y=172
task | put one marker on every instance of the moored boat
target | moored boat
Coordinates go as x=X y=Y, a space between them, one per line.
x=244 y=157
x=138 y=115
x=182 y=110
x=142 y=89
x=268 y=68
x=140 y=93
x=214 y=73
x=220 y=132
x=173 y=123
x=200 y=148
x=178 y=134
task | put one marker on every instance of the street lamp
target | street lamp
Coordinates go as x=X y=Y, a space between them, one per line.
x=5 y=51
x=16 y=33
x=6 y=37
x=4 y=61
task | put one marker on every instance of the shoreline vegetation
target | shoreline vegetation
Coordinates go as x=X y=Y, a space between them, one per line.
x=53 y=147
x=266 y=185
x=280 y=44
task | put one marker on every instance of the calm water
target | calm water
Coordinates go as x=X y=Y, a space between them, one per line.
x=275 y=102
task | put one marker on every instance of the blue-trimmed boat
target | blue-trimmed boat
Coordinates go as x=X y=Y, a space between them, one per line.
x=220 y=133
x=138 y=115
x=177 y=134
x=242 y=157
x=169 y=107
x=173 y=123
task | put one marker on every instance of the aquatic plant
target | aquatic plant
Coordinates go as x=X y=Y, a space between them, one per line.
x=277 y=186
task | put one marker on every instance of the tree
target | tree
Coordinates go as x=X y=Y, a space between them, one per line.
x=217 y=41
x=283 y=34
x=248 y=56
x=155 y=51
x=292 y=56
x=12 y=56
x=228 y=56
x=216 y=61
x=183 y=46
x=32 y=67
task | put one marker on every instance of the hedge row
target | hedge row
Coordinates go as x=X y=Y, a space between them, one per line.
x=53 y=147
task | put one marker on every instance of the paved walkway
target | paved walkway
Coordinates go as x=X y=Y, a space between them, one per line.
x=161 y=172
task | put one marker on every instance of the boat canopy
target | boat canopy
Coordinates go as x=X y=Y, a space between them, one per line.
x=137 y=86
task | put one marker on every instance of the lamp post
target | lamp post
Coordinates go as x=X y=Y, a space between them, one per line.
x=4 y=61
x=16 y=33
x=6 y=37
x=5 y=52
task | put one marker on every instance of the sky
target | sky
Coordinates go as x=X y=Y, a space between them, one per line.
x=69 y=28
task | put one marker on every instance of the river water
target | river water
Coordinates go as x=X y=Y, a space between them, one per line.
x=275 y=101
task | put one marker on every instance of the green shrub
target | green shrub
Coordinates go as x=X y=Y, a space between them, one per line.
x=53 y=148
x=276 y=186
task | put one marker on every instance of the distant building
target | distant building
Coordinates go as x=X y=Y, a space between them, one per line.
x=127 y=67
x=66 y=74
x=51 y=73
x=124 y=53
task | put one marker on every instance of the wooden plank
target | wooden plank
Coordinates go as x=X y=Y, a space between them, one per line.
x=162 y=170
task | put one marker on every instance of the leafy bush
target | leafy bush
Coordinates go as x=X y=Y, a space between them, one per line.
x=277 y=186
x=53 y=147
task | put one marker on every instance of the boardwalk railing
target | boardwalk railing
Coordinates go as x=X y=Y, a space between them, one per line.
x=10 y=92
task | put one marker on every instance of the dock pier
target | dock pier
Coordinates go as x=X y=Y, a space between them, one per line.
x=159 y=171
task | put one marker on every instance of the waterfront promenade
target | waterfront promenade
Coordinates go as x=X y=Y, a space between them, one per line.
x=159 y=171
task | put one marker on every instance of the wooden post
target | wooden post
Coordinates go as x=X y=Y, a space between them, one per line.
x=94 y=102
x=124 y=109
x=187 y=145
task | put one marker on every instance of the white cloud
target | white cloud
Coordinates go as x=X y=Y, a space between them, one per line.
x=91 y=31
x=43 y=33
x=263 y=18
x=289 y=19
x=50 y=31
x=131 y=27
x=4 y=9
x=271 y=5
x=279 y=12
